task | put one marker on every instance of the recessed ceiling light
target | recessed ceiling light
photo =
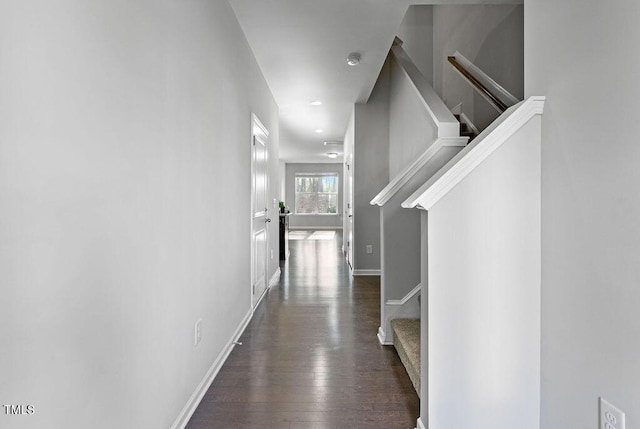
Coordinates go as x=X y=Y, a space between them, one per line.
x=316 y=103
x=319 y=130
x=353 y=59
x=332 y=154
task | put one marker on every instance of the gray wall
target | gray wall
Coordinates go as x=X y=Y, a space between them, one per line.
x=124 y=160
x=411 y=128
x=312 y=221
x=584 y=57
x=416 y=31
x=371 y=171
x=490 y=36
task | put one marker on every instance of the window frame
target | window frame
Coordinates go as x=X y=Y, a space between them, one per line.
x=319 y=176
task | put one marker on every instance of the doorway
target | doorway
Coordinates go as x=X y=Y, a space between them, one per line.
x=348 y=211
x=259 y=210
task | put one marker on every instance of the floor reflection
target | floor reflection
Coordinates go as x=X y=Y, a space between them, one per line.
x=310 y=357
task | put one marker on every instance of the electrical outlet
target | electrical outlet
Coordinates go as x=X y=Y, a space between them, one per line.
x=197 y=333
x=271 y=253
x=610 y=416
x=369 y=248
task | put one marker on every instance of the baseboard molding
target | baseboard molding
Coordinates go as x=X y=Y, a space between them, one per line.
x=275 y=278
x=366 y=272
x=382 y=338
x=419 y=424
x=315 y=228
x=198 y=394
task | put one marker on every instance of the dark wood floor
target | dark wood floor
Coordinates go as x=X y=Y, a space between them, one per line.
x=310 y=357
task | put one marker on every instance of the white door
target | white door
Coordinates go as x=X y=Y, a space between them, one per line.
x=348 y=211
x=259 y=212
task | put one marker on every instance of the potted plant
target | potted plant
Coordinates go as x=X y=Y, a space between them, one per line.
x=282 y=207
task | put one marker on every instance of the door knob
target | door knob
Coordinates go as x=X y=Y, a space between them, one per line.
x=267 y=220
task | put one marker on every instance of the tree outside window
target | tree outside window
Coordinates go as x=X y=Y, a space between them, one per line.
x=316 y=193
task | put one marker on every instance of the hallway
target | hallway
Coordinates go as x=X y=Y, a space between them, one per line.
x=310 y=358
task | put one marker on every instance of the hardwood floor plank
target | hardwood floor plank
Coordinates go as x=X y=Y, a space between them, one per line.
x=310 y=357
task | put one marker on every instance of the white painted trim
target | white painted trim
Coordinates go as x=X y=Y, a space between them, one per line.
x=415 y=291
x=262 y=295
x=258 y=130
x=366 y=273
x=475 y=153
x=470 y=124
x=419 y=424
x=256 y=121
x=382 y=338
x=313 y=228
x=405 y=175
x=504 y=95
x=193 y=402
x=448 y=125
x=275 y=278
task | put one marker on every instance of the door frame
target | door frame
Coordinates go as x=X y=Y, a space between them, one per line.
x=258 y=128
x=347 y=239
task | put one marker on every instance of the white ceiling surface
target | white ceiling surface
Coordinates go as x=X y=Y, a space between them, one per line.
x=302 y=48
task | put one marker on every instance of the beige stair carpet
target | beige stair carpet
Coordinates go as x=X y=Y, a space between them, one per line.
x=406 y=339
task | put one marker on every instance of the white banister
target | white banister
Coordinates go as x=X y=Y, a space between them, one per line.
x=405 y=175
x=475 y=153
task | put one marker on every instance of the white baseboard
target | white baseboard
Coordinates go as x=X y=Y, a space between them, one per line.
x=314 y=228
x=382 y=338
x=275 y=278
x=419 y=424
x=366 y=272
x=196 y=397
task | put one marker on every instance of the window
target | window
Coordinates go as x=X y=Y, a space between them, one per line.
x=317 y=193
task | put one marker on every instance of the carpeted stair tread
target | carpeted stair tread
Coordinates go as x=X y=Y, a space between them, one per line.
x=406 y=339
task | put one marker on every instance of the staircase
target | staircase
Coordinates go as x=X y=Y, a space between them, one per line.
x=406 y=340
x=465 y=129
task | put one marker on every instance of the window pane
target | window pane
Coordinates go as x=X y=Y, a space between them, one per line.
x=327 y=203
x=306 y=184
x=306 y=203
x=316 y=193
x=328 y=184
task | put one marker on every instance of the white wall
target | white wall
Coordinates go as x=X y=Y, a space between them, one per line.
x=484 y=294
x=124 y=160
x=371 y=171
x=490 y=36
x=584 y=57
x=312 y=221
x=416 y=32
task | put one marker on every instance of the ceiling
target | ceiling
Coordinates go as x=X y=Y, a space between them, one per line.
x=302 y=48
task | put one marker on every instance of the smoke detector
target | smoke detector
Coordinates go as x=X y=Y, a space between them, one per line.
x=353 y=59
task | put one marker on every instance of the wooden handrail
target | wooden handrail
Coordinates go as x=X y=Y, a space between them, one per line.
x=478 y=85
